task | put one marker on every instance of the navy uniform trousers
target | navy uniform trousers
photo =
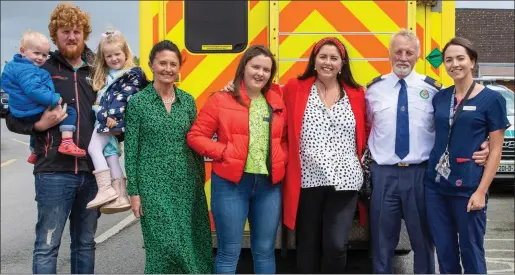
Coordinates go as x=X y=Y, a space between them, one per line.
x=456 y=231
x=398 y=193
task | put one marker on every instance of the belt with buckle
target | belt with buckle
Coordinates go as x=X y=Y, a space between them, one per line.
x=403 y=164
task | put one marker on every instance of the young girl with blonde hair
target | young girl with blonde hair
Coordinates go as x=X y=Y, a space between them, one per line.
x=116 y=79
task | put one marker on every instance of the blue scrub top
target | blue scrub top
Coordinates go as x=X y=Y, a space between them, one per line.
x=482 y=114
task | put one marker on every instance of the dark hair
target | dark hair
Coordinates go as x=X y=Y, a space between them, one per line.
x=164 y=45
x=465 y=43
x=345 y=76
x=251 y=52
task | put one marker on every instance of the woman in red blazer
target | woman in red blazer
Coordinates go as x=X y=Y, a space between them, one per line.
x=326 y=139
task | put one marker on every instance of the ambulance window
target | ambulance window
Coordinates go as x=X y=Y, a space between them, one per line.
x=215 y=26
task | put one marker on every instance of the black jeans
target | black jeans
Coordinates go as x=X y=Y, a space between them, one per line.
x=324 y=220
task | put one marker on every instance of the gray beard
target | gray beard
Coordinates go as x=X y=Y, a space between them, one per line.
x=403 y=72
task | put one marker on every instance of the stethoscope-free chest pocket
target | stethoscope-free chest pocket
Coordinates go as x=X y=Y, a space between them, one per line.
x=384 y=116
x=421 y=114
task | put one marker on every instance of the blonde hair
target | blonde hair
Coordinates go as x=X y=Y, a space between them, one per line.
x=30 y=36
x=409 y=35
x=100 y=67
x=66 y=15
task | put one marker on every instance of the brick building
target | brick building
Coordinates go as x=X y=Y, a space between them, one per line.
x=492 y=32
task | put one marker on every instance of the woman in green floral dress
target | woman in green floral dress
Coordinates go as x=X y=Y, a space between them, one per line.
x=166 y=177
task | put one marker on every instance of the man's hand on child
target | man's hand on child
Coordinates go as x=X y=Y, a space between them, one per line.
x=51 y=117
x=111 y=123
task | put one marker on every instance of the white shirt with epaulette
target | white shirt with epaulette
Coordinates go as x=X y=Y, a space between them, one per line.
x=381 y=101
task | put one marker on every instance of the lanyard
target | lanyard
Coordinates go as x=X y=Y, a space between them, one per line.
x=454 y=115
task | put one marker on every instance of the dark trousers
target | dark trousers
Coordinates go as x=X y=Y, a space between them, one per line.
x=456 y=232
x=398 y=194
x=324 y=220
x=59 y=197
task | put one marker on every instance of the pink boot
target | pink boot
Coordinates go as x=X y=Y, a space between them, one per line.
x=106 y=192
x=122 y=203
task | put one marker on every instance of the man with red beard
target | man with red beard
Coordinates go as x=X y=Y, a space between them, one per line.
x=65 y=184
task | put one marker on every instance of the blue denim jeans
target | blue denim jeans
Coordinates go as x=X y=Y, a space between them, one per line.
x=59 y=196
x=68 y=124
x=258 y=199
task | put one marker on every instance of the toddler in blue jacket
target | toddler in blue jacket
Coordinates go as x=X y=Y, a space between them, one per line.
x=31 y=91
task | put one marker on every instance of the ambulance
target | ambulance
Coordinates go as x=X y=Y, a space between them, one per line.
x=213 y=34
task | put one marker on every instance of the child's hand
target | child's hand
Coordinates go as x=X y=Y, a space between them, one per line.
x=60 y=101
x=111 y=123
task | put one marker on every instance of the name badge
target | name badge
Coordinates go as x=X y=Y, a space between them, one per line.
x=469 y=108
x=443 y=167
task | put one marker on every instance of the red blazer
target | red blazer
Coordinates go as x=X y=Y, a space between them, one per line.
x=295 y=94
x=226 y=117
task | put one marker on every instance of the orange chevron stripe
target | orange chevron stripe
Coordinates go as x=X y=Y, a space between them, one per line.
x=383 y=67
x=420 y=35
x=173 y=14
x=435 y=45
x=155 y=29
x=209 y=167
x=253 y=4
x=228 y=73
x=367 y=45
x=396 y=10
x=294 y=14
x=191 y=61
x=297 y=69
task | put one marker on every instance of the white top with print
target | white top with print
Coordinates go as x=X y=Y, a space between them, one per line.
x=328 y=154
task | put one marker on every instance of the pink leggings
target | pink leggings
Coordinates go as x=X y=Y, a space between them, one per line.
x=96 y=152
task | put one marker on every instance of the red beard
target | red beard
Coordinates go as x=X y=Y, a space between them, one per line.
x=71 y=54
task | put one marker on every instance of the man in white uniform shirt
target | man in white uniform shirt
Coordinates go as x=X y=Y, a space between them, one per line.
x=400 y=114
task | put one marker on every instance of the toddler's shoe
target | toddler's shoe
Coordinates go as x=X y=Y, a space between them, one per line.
x=32 y=158
x=71 y=149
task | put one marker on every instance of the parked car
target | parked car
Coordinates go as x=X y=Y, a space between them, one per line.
x=4 y=99
x=506 y=169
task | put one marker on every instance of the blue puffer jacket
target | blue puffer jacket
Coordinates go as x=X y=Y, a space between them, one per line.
x=114 y=101
x=30 y=88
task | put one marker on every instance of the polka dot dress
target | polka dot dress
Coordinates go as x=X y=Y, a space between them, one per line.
x=328 y=146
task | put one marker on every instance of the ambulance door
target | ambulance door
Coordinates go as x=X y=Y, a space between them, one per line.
x=365 y=28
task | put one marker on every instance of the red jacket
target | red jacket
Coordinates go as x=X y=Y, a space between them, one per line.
x=295 y=94
x=226 y=117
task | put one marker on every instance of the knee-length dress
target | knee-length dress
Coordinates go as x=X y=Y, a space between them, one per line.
x=169 y=178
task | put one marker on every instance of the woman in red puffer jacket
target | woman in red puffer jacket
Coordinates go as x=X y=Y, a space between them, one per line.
x=249 y=159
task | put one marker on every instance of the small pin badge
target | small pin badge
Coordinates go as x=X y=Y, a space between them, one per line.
x=402 y=108
x=459 y=182
x=424 y=94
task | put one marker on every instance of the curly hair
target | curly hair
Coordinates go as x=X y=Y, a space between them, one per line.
x=66 y=15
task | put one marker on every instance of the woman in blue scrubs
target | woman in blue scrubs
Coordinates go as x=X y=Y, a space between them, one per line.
x=456 y=187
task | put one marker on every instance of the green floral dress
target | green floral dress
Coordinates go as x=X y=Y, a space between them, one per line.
x=169 y=178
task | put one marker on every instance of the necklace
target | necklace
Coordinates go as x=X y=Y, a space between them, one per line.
x=324 y=98
x=170 y=100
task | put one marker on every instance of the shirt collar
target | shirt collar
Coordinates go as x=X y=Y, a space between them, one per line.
x=394 y=79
